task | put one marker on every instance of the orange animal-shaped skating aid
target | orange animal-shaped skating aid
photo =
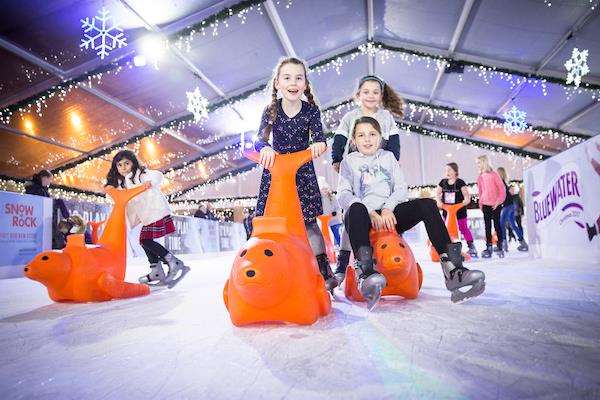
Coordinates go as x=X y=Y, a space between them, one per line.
x=275 y=277
x=396 y=262
x=327 y=238
x=95 y=229
x=452 y=226
x=81 y=273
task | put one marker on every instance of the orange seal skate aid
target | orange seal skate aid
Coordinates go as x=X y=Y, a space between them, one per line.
x=275 y=277
x=81 y=273
x=395 y=260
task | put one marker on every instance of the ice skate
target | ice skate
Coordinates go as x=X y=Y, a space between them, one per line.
x=343 y=260
x=370 y=282
x=156 y=277
x=487 y=253
x=523 y=246
x=325 y=269
x=175 y=267
x=472 y=250
x=457 y=276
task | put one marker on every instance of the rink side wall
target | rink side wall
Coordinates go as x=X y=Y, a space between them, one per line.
x=563 y=204
x=25 y=230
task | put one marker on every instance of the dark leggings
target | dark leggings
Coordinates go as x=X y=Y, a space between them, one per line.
x=490 y=214
x=155 y=251
x=408 y=214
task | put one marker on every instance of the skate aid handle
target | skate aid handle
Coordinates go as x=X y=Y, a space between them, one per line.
x=300 y=157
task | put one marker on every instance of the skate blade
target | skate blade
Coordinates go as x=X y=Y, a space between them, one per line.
x=476 y=290
x=153 y=283
x=184 y=270
x=373 y=298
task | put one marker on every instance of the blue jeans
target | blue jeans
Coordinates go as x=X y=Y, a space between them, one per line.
x=508 y=216
x=336 y=233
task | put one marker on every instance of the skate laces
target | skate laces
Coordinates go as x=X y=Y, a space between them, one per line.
x=458 y=270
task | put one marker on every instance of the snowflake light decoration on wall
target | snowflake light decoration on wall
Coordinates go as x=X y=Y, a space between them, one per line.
x=197 y=105
x=102 y=34
x=514 y=121
x=577 y=66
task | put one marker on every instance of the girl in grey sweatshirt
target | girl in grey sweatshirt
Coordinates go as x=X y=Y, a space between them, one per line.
x=372 y=190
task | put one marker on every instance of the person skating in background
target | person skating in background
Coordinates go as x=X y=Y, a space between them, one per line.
x=150 y=209
x=39 y=186
x=491 y=196
x=453 y=190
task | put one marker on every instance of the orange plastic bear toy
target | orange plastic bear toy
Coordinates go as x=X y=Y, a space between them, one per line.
x=327 y=238
x=95 y=229
x=275 y=277
x=396 y=262
x=81 y=273
x=452 y=226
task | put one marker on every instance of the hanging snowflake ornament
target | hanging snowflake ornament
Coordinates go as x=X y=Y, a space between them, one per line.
x=514 y=121
x=577 y=66
x=102 y=34
x=197 y=105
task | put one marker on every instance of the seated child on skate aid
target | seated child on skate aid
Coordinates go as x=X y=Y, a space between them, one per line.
x=372 y=189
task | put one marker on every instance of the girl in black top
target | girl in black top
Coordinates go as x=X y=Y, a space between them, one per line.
x=453 y=190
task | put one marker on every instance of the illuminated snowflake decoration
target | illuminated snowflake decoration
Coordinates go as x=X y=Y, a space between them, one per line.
x=102 y=34
x=197 y=105
x=577 y=66
x=514 y=121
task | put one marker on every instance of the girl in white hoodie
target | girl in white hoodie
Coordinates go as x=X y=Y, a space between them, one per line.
x=152 y=210
x=373 y=192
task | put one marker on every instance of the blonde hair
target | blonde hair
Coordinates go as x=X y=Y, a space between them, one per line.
x=272 y=108
x=485 y=161
x=503 y=174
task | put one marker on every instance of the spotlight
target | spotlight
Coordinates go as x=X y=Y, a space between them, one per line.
x=139 y=61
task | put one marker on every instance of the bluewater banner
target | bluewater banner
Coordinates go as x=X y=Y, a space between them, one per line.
x=563 y=204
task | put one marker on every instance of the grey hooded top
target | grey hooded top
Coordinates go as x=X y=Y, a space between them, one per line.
x=376 y=181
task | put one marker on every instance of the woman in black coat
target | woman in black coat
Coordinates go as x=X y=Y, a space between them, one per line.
x=39 y=187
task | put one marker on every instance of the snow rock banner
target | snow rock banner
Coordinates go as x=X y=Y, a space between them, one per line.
x=563 y=204
x=25 y=230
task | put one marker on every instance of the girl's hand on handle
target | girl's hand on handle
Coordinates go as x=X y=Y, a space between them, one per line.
x=376 y=221
x=318 y=149
x=267 y=157
x=388 y=219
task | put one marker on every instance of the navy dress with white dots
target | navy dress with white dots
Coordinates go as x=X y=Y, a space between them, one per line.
x=291 y=135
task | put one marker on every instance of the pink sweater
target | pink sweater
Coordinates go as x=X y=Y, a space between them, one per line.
x=491 y=189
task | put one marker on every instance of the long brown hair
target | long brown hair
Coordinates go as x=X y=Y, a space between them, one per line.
x=390 y=100
x=114 y=178
x=503 y=174
x=272 y=108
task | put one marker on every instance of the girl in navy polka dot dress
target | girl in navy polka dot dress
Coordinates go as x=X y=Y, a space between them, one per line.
x=294 y=124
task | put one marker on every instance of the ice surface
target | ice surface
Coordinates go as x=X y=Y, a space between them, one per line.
x=534 y=333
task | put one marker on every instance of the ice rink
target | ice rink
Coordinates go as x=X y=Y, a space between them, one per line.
x=534 y=333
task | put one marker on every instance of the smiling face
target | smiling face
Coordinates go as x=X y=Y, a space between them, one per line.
x=369 y=95
x=450 y=174
x=124 y=166
x=366 y=138
x=291 y=81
